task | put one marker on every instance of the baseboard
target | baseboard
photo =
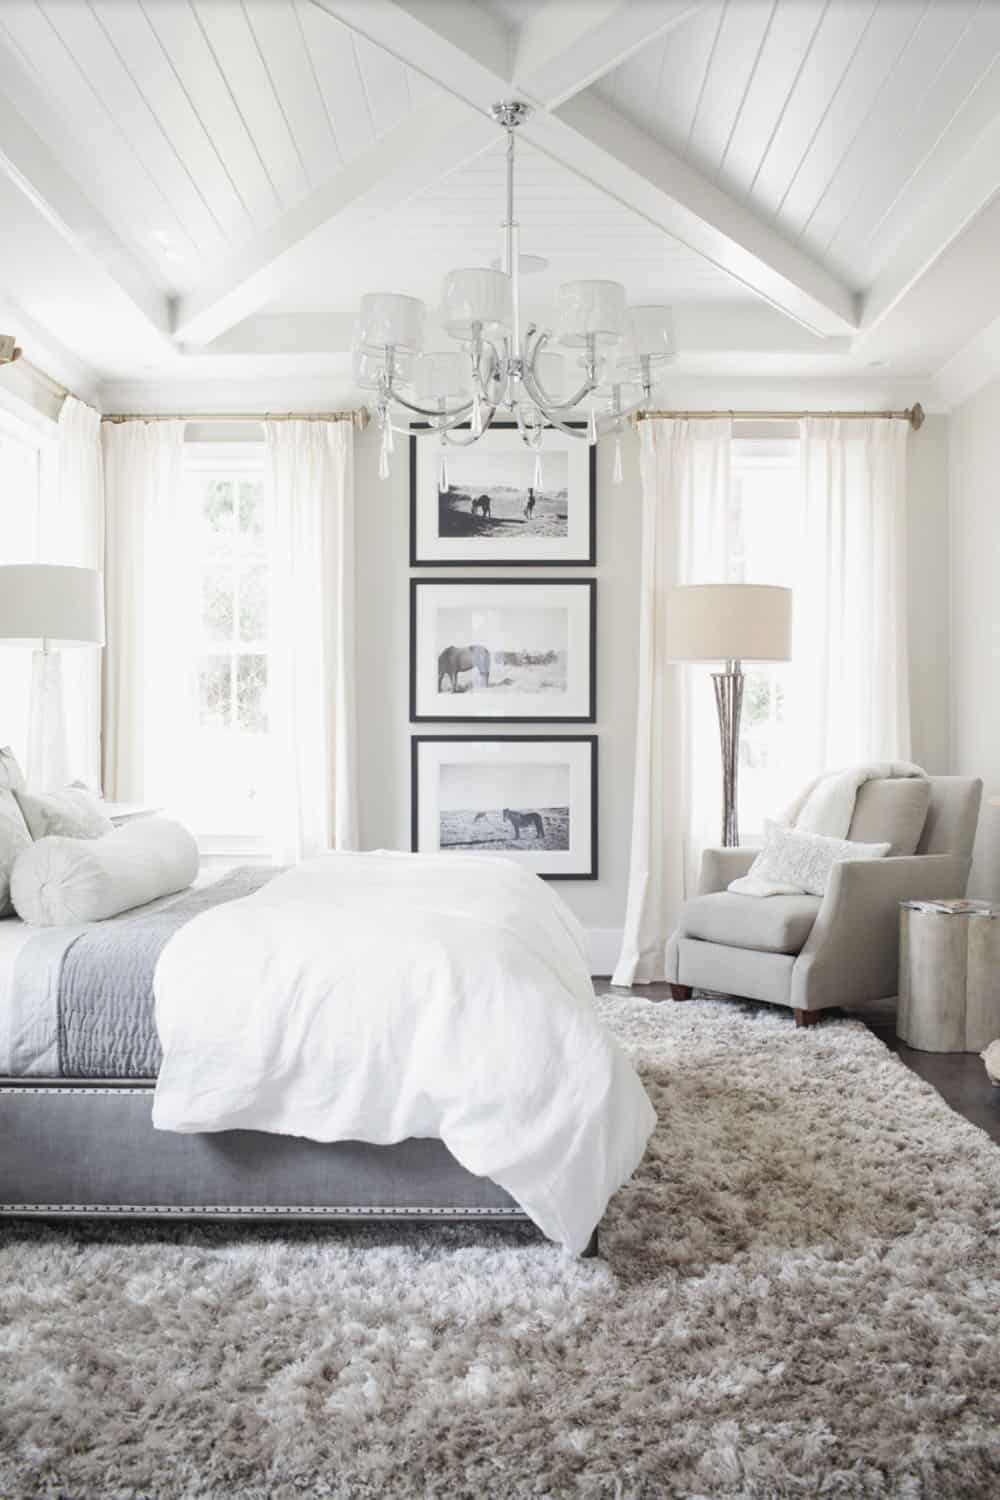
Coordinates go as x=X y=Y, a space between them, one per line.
x=603 y=947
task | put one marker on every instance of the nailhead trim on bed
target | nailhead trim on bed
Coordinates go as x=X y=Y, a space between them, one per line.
x=69 y=1087
x=128 y=1210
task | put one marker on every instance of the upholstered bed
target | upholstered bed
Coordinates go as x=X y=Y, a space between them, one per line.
x=77 y=1143
x=428 y=1078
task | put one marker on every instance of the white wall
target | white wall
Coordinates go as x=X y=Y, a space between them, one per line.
x=383 y=646
x=974 y=487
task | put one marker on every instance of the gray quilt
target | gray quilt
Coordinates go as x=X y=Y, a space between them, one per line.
x=81 y=1001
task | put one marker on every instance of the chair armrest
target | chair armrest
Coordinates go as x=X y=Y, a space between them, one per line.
x=852 y=953
x=720 y=866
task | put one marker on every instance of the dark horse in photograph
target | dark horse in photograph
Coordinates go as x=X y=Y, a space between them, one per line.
x=484 y=506
x=456 y=659
x=519 y=820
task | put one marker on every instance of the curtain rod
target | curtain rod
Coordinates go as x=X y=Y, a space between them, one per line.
x=915 y=415
x=358 y=417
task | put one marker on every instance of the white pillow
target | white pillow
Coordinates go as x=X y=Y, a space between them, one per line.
x=14 y=839
x=72 y=814
x=800 y=862
x=58 y=881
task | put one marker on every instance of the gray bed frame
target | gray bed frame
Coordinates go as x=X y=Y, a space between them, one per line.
x=88 y=1149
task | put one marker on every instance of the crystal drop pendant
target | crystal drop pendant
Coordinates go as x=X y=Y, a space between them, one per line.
x=385 y=448
x=616 y=474
x=592 y=426
x=477 y=416
x=537 y=477
x=443 y=474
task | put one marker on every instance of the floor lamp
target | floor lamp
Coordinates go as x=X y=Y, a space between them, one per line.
x=731 y=623
x=49 y=607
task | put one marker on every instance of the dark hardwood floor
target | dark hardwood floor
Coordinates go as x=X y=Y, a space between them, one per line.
x=959 y=1077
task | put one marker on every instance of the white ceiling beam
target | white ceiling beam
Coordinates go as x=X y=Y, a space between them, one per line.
x=28 y=165
x=461 y=46
x=597 y=143
x=562 y=49
x=956 y=202
x=416 y=154
x=702 y=327
x=603 y=147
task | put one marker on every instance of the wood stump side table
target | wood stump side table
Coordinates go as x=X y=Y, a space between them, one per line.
x=949 y=977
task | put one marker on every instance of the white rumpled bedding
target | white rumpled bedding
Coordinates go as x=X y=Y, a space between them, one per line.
x=375 y=997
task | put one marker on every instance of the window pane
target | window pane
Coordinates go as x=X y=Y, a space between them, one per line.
x=215 y=696
x=217 y=603
x=251 y=690
x=217 y=505
x=253 y=602
x=252 y=507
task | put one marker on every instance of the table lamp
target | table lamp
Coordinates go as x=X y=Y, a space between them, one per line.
x=49 y=607
x=731 y=623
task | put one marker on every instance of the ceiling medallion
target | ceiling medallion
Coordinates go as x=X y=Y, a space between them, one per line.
x=500 y=367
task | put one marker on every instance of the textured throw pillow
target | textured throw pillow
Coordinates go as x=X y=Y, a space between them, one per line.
x=72 y=814
x=800 y=861
x=11 y=775
x=14 y=839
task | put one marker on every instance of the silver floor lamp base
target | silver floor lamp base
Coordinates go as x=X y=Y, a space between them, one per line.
x=729 y=706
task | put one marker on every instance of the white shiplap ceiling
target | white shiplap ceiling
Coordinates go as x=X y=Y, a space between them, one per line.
x=186 y=182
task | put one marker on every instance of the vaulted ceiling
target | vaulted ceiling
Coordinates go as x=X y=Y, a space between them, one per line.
x=196 y=191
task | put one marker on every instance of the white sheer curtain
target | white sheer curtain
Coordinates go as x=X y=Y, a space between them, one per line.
x=685 y=469
x=150 y=600
x=72 y=533
x=312 y=642
x=849 y=692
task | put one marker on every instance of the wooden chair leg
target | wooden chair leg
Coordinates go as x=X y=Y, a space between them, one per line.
x=680 y=991
x=807 y=1017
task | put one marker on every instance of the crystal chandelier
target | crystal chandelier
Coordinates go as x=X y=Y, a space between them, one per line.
x=501 y=367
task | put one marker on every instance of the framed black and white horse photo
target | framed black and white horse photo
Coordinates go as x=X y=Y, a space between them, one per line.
x=500 y=502
x=521 y=650
x=529 y=798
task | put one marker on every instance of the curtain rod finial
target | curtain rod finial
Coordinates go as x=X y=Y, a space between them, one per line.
x=917 y=416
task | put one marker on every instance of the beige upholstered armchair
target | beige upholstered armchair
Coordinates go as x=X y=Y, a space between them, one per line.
x=812 y=952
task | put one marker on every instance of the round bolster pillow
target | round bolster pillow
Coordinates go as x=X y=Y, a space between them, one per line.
x=58 y=881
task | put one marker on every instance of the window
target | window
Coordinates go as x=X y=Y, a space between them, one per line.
x=225 y=799
x=26 y=460
x=763 y=540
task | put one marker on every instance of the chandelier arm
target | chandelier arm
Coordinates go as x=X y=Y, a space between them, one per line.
x=494 y=371
x=537 y=391
x=473 y=437
x=456 y=414
x=556 y=421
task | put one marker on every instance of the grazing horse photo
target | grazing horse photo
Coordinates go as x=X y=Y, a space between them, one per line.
x=455 y=659
x=484 y=506
x=519 y=820
x=529 y=508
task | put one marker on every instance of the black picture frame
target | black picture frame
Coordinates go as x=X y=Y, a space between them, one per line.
x=511 y=739
x=590 y=717
x=481 y=561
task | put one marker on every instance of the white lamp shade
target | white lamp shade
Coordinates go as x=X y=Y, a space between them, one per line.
x=390 y=321
x=729 y=622
x=650 y=332
x=590 y=309
x=41 y=602
x=447 y=376
x=476 y=296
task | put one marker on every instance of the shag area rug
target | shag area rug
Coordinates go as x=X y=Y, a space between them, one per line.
x=799 y=1296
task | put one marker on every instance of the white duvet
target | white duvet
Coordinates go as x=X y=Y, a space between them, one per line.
x=374 y=997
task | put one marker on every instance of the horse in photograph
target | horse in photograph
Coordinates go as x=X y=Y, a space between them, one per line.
x=456 y=659
x=483 y=506
x=529 y=505
x=519 y=820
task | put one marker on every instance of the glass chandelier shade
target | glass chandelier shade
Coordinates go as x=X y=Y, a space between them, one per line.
x=503 y=367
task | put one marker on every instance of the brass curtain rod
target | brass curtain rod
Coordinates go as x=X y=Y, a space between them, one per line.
x=915 y=415
x=358 y=417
